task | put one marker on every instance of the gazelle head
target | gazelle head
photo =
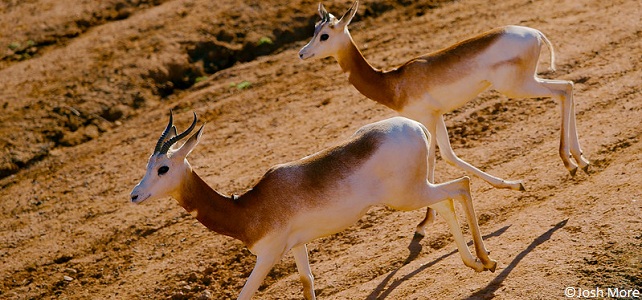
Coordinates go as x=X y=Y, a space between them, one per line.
x=168 y=165
x=330 y=34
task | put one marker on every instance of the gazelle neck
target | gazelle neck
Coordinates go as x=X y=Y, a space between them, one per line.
x=370 y=82
x=221 y=214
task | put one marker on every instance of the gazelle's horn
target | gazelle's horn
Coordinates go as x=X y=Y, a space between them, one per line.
x=177 y=138
x=161 y=140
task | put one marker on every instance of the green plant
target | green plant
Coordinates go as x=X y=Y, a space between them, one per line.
x=264 y=40
x=243 y=85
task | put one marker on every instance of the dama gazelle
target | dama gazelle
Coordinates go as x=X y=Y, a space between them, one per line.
x=428 y=86
x=318 y=195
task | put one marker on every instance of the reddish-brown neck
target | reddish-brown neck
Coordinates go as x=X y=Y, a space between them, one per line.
x=372 y=83
x=217 y=212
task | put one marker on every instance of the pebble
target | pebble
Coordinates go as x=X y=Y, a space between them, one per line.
x=205 y=295
x=71 y=271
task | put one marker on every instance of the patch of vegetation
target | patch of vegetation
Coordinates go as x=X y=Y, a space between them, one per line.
x=199 y=79
x=242 y=85
x=264 y=41
x=14 y=46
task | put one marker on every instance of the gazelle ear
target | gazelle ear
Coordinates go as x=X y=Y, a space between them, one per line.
x=348 y=15
x=187 y=148
x=172 y=133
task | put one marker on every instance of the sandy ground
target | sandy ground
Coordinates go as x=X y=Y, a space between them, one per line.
x=86 y=86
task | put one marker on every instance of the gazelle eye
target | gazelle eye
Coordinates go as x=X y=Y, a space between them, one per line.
x=324 y=37
x=162 y=170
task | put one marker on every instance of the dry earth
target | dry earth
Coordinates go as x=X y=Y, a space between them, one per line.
x=86 y=86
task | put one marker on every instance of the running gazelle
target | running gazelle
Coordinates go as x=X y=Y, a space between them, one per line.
x=318 y=195
x=426 y=87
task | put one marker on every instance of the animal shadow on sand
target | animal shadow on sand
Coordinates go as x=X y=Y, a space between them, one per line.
x=384 y=289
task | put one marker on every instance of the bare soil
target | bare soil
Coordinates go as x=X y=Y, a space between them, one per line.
x=85 y=90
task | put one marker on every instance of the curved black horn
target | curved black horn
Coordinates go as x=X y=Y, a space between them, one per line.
x=175 y=139
x=164 y=134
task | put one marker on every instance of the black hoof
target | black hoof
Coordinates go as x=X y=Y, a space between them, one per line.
x=586 y=170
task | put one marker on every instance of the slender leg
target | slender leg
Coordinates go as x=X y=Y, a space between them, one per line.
x=432 y=160
x=264 y=264
x=430 y=217
x=303 y=266
x=447 y=211
x=562 y=90
x=569 y=141
x=449 y=155
x=480 y=249
x=576 y=149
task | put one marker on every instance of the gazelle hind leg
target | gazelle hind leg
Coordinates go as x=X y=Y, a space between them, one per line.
x=303 y=266
x=447 y=211
x=576 y=150
x=529 y=86
x=480 y=248
x=569 y=143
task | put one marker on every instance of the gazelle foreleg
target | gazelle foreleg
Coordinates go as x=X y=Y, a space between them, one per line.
x=303 y=266
x=264 y=263
x=432 y=161
x=443 y=141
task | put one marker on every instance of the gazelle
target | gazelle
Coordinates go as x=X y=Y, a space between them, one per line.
x=426 y=87
x=318 y=195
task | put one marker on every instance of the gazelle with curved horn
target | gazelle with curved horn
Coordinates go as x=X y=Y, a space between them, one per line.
x=318 y=195
x=426 y=87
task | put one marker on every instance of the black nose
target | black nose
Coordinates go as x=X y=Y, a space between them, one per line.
x=134 y=197
x=300 y=55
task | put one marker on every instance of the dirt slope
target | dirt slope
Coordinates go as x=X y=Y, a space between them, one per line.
x=85 y=88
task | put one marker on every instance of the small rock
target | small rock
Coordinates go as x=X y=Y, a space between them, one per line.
x=192 y=277
x=91 y=131
x=67 y=278
x=204 y=295
x=208 y=271
x=179 y=296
